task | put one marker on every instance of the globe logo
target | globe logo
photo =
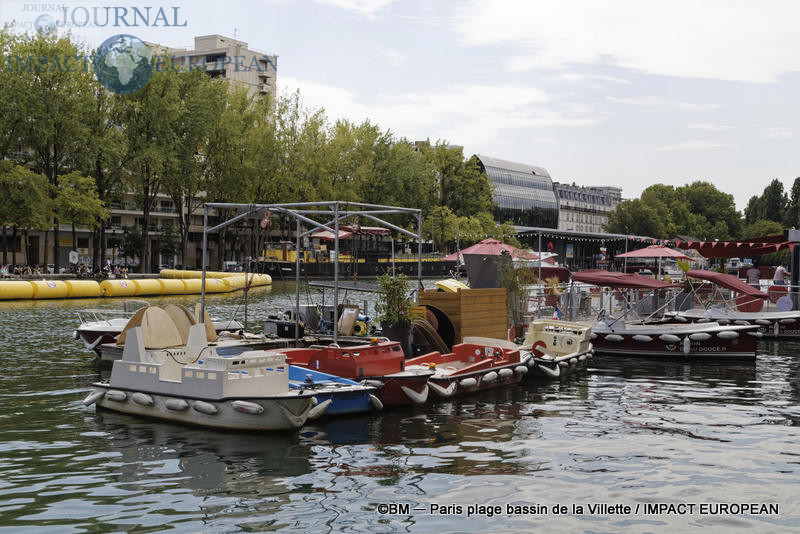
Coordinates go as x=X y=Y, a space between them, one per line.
x=123 y=64
x=44 y=24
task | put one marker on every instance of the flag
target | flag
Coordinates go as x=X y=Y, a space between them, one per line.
x=557 y=314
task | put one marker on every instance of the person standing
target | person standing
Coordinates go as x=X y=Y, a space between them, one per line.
x=753 y=275
x=780 y=275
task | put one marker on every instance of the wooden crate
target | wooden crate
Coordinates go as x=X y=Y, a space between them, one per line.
x=474 y=312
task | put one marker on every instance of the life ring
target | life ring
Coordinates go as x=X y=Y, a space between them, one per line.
x=536 y=348
x=360 y=328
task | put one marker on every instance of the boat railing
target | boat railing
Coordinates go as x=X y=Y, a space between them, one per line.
x=101 y=315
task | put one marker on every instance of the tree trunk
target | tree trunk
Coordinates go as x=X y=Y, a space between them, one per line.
x=101 y=237
x=14 y=244
x=145 y=256
x=74 y=238
x=5 y=246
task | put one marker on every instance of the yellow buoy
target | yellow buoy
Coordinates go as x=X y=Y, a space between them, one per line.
x=15 y=289
x=193 y=286
x=147 y=287
x=51 y=289
x=216 y=285
x=118 y=288
x=83 y=289
x=172 y=286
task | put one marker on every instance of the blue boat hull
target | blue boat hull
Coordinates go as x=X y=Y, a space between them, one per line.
x=346 y=396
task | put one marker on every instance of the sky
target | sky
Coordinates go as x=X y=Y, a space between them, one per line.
x=621 y=93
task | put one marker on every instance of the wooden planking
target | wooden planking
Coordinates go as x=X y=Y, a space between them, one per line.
x=473 y=312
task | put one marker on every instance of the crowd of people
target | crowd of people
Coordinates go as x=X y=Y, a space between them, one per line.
x=80 y=270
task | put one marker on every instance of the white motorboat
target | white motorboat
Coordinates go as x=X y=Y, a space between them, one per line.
x=99 y=326
x=165 y=376
x=632 y=336
x=746 y=308
x=558 y=348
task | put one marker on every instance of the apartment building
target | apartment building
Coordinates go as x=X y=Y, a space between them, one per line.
x=585 y=209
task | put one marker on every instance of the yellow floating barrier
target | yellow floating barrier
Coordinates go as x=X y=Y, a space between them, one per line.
x=216 y=285
x=118 y=288
x=192 y=286
x=82 y=289
x=172 y=286
x=235 y=282
x=168 y=273
x=148 y=286
x=52 y=289
x=15 y=289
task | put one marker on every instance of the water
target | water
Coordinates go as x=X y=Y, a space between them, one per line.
x=622 y=433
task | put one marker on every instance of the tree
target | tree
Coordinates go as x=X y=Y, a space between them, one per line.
x=635 y=217
x=57 y=99
x=761 y=228
x=792 y=217
x=77 y=202
x=774 y=201
x=25 y=205
x=148 y=119
x=131 y=245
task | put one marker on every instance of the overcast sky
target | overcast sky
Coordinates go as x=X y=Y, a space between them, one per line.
x=623 y=93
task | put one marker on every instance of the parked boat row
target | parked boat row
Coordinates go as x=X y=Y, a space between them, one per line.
x=169 y=370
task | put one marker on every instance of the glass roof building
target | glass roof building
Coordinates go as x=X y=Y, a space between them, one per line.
x=523 y=193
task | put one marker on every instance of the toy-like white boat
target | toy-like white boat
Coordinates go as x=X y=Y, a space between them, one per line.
x=558 y=348
x=163 y=377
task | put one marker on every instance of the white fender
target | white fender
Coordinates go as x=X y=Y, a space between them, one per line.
x=763 y=322
x=687 y=346
x=94 y=396
x=93 y=344
x=205 y=407
x=756 y=334
x=75 y=335
x=319 y=409
x=551 y=373
x=176 y=405
x=700 y=336
x=418 y=398
x=295 y=420
x=116 y=395
x=776 y=329
x=376 y=402
x=573 y=361
x=443 y=392
x=614 y=337
x=703 y=320
x=505 y=373
x=728 y=334
x=563 y=365
x=741 y=322
x=722 y=321
x=372 y=383
x=787 y=321
x=247 y=407
x=521 y=369
x=582 y=358
x=468 y=383
x=641 y=338
x=489 y=377
x=593 y=336
x=669 y=338
x=142 y=399
x=681 y=319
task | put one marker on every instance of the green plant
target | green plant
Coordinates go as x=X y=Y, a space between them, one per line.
x=395 y=306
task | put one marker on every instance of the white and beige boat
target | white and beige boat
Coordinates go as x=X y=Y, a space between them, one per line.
x=168 y=371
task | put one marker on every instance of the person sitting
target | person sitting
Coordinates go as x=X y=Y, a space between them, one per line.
x=780 y=275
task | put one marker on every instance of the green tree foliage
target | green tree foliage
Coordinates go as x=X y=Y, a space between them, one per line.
x=792 y=216
x=77 y=203
x=762 y=228
x=636 y=217
x=25 y=205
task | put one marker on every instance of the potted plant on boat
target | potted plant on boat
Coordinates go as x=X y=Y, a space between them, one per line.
x=395 y=308
x=553 y=293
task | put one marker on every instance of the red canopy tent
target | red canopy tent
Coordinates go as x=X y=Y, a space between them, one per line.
x=492 y=247
x=737 y=249
x=601 y=278
x=654 y=251
x=727 y=281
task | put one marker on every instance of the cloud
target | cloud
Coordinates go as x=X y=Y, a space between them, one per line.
x=476 y=115
x=573 y=77
x=711 y=127
x=736 y=40
x=694 y=145
x=363 y=8
x=778 y=133
x=655 y=104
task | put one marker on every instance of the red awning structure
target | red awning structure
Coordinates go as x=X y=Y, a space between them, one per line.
x=493 y=247
x=655 y=251
x=324 y=234
x=602 y=278
x=347 y=231
x=727 y=281
x=737 y=249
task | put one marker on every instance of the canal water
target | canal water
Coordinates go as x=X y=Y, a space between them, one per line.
x=636 y=436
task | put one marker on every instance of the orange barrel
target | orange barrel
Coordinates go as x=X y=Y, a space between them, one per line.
x=53 y=289
x=15 y=289
x=147 y=286
x=82 y=289
x=118 y=288
x=172 y=286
